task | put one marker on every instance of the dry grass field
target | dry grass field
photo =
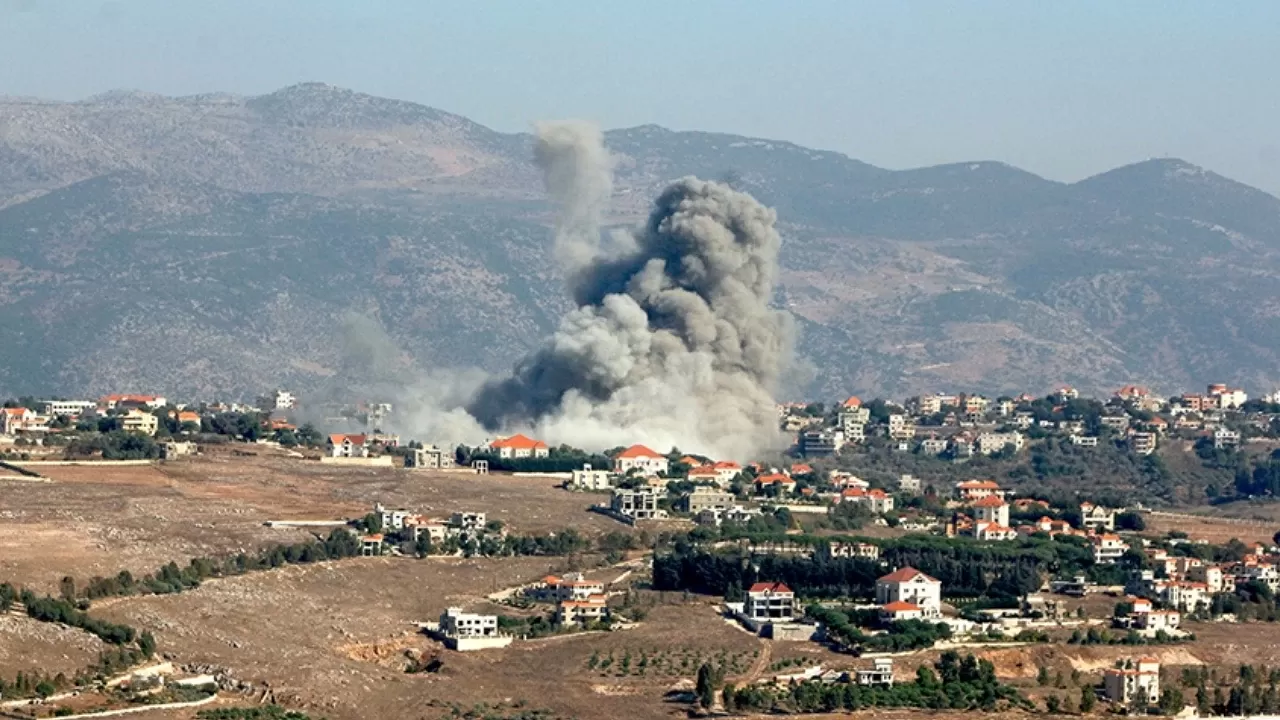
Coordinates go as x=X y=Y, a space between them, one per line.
x=96 y=520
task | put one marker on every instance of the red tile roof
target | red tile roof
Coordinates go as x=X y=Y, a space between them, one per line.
x=978 y=485
x=853 y=402
x=900 y=606
x=905 y=574
x=990 y=501
x=773 y=587
x=339 y=438
x=775 y=478
x=638 y=451
x=518 y=442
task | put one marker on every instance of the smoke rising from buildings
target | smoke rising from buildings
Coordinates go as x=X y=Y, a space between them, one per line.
x=673 y=342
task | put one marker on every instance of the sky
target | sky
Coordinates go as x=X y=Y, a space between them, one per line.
x=1063 y=89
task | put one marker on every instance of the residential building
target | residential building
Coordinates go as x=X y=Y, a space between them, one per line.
x=971 y=490
x=391 y=519
x=590 y=479
x=642 y=460
x=471 y=522
x=573 y=586
x=1139 y=684
x=820 y=443
x=1107 y=548
x=278 y=400
x=1228 y=398
x=1214 y=579
x=582 y=612
x=1183 y=595
x=519 y=446
x=185 y=417
x=1066 y=393
x=991 y=509
x=784 y=484
x=877 y=501
x=1143 y=443
x=901 y=427
x=1225 y=439
x=853 y=432
x=638 y=504
x=990 y=531
x=899 y=611
x=429 y=458
x=727 y=470
x=13 y=420
x=1119 y=423
x=1097 y=517
x=866 y=551
x=703 y=498
x=1005 y=407
x=911 y=586
x=770 y=601
x=933 y=446
x=70 y=408
x=140 y=422
x=456 y=623
x=347 y=446
x=1084 y=441
x=881 y=673
x=1131 y=392
x=151 y=402
x=371 y=545
x=991 y=443
x=1156 y=620
x=909 y=484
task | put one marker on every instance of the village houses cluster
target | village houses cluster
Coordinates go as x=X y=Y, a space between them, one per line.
x=959 y=426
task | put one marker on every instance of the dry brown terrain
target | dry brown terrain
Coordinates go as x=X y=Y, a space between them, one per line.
x=1212 y=529
x=27 y=645
x=94 y=520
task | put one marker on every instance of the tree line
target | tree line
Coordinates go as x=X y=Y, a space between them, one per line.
x=952 y=683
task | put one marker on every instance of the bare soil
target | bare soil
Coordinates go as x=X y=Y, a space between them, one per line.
x=96 y=520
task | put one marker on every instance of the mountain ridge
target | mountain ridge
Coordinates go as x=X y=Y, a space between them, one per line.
x=315 y=202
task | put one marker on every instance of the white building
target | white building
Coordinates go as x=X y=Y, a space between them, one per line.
x=642 y=459
x=768 y=602
x=1224 y=438
x=429 y=458
x=518 y=447
x=70 y=408
x=1097 y=517
x=638 y=504
x=991 y=443
x=991 y=509
x=1138 y=684
x=139 y=421
x=457 y=623
x=341 y=445
x=279 y=400
x=589 y=479
x=909 y=585
x=1107 y=548
x=1084 y=441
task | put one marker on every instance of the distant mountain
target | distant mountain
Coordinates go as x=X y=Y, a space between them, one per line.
x=216 y=244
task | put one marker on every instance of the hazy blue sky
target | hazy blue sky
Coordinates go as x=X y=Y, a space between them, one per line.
x=1064 y=89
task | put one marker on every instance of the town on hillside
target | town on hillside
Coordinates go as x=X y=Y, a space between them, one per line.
x=888 y=559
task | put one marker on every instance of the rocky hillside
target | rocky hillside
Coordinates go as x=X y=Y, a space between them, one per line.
x=222 y=244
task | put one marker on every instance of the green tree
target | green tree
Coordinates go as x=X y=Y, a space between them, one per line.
x=1042 y=676
x=1052 y=705
x=1088 y=698
x=44 y=689
x=1171 y=702
x=708 y=685
x=147 y=643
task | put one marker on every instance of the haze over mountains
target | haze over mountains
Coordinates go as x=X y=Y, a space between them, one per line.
x=221 y=245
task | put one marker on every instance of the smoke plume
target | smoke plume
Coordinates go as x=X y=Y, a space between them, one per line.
x=673 y=342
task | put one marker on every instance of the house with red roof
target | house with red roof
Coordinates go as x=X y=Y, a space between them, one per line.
x=908 y=585
x=899 y=610
x=971 y=490
x=770 y=602
x=342 y=445
x=124 y=401
x=991 y=509
x=642 y=459
x=782 y=482
x=519 y=446
x=13 y=420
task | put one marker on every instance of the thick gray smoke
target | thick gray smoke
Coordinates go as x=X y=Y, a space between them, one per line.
x=673 y=342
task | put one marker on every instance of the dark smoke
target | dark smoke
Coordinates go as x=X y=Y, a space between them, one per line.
x=673 y=341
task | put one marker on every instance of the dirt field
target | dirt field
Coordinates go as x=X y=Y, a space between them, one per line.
x=331 y=638
x=93 y=520
x=1212 y=528
x=27 y=645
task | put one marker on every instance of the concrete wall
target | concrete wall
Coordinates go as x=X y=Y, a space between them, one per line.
x=381 y=461
x=477 y=643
